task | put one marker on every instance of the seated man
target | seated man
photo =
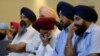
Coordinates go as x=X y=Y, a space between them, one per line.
x=65 y=12
x=24 y=35
x=3 y=31
x=14 y=27
x=87 y=40
x=44 y=25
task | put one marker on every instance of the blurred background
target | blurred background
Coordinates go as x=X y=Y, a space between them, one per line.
x=10 y=9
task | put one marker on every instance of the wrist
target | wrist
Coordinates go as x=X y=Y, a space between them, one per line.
x=44 y=44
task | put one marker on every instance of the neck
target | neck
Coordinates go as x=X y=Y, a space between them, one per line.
x=88 y=24
x=28 y=24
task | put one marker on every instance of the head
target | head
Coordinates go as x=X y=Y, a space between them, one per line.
x=44 y=25
x=3 y=29
x=48 y=32
x=27 y=15
x=64 y=21
x=14 y=27
x=83 y=17
x=65 y=12
x=45 y=11
x=27 y=18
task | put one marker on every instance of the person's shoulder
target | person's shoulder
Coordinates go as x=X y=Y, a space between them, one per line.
x=32 y=32
x=96 y=27
x=31 y=29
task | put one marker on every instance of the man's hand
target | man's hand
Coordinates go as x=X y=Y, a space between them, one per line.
x=16 y=47
x=9 y=48
x=45 y=39
x=72 y=28
x=69 y=50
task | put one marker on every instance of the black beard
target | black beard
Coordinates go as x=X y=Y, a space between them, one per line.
x=66 y=25
x=80 y=30
x=60 y=27
x=23 y=24
x=23 y=27
x=2 y=36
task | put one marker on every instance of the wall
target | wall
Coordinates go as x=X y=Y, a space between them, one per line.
x=9 y=9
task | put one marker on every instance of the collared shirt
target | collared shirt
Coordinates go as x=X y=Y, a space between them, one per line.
x=48 y=49
x=34 y=45
x=90 y=42
x=60 y=43
x=26 y=38
x=39 y=49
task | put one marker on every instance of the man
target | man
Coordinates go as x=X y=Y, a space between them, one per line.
x=3 y=31
x=25 y=33
x=14 y=27
x=45 y=14
x=45 y=26
x=49 y=12
x=86 y=43
x=66 y=13
x=3 y=36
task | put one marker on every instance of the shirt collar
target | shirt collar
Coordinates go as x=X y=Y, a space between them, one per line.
x=29 y=27
x=90 y=28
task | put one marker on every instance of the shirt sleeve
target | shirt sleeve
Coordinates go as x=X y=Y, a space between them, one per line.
x=55 y=51
x=95 y=43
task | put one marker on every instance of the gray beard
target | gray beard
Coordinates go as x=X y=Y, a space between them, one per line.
x=22 y=31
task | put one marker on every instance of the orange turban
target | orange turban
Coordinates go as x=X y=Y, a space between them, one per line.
x=47 y=12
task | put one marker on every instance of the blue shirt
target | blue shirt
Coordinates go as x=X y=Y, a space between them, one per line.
x=90 y=42
x=60 y=44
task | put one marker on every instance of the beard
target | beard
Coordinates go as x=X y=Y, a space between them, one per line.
x=60 y=27
x=65 y=24
x=81 y=29
x=2 y=36
x=22 y=28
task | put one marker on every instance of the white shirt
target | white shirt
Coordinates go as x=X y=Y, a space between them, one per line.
x=48 y=49
x=33 y=46
x=26 y=38
x=90 y=42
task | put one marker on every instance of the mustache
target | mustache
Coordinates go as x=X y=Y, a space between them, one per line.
x=23 y=23
x=78 y=26
x=81 y=29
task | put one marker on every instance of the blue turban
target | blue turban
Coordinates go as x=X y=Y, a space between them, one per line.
x=86 y=12
x=28 y=13
x=66 y=9
x=3 y=26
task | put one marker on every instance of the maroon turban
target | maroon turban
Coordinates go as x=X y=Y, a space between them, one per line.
x=45 y=23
